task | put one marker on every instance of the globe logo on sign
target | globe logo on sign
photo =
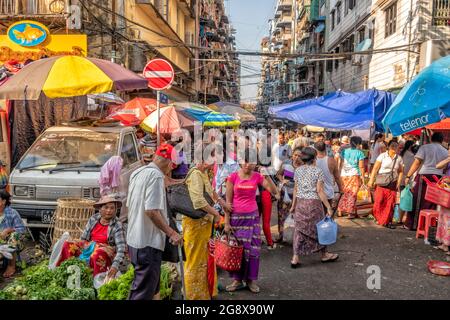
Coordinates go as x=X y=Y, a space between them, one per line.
x=27 y=33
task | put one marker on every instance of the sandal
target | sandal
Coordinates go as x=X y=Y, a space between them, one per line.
x=234 y=287
x=441 y=248
x=253 y=288
x=333 y=257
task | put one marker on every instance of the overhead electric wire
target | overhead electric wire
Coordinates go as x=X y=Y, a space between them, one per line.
x=178 y=43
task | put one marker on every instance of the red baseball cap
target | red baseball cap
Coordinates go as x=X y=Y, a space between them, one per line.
x=165 y=151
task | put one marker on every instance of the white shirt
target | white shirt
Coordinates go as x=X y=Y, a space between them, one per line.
x=146 y=192
x=387 y=162
x=280 y=154
x=431 y=154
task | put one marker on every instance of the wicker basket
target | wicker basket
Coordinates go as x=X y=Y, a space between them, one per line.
x=72 y=215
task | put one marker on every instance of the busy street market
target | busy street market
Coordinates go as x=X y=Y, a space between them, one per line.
x=136 y=165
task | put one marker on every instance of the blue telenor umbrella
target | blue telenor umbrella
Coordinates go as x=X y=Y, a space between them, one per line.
x=339 y=110
x=425 y=100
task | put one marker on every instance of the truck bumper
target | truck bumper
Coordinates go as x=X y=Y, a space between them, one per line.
x=35 y=213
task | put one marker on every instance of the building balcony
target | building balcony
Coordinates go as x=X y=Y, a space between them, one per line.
x=17 y=9
x=441 y=13
x=285 y=21
x=284 y=6
x=304 y=11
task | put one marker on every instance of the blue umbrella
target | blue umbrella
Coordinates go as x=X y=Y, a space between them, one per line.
x=425 y=100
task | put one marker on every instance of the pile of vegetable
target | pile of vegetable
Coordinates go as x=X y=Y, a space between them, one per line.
x=41 y=283
x=119 y=288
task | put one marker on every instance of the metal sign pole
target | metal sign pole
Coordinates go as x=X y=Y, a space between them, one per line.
x=158 y=110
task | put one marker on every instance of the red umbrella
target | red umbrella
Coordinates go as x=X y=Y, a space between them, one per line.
x=444 y=125
x=135 y=111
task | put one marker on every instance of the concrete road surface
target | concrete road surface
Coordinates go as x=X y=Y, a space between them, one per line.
x=401 y=258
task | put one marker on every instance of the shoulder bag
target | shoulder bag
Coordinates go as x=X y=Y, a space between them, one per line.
x=386 y=179
x=180 y=200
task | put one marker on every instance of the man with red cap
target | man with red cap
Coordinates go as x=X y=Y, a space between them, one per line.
x=148 y=222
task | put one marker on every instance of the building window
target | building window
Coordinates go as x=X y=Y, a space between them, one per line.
x=361 y=34
x=391 y=20
x=336 y=62
x=338 y=14
x=351 y=4
x=372 y=31
x=351 y=44
x=441 y=12
x=333 y=14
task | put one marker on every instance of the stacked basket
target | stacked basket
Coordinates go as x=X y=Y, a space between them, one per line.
x=72 y=215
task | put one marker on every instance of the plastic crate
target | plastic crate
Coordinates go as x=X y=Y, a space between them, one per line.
x=436 y=194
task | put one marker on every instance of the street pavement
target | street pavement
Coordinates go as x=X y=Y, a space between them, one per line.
x=401 y=257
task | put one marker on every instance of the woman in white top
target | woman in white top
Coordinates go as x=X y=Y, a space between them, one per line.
x=389 y=164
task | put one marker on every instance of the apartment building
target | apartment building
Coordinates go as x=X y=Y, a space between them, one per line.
x=418 y=33
x=309 y=38
x=348 y=27
x=219 y=71
x=401 y=36
x=133 y=32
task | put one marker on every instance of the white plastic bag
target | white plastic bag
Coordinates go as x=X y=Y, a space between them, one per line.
x=57 y=249
x=290 y=222
x=286 y=198
x=6 y=251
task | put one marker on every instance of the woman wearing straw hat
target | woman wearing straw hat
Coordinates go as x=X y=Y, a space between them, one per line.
x=102 y=243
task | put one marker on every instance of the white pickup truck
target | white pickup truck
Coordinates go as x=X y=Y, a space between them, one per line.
x=65 y=161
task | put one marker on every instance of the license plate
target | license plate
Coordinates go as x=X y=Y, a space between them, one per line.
x=46 y=217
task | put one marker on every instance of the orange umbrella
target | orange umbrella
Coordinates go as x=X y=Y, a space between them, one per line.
x=135 y=111
x=171 y=119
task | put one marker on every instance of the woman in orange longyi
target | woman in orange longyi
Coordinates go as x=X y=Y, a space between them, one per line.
x=102 y=243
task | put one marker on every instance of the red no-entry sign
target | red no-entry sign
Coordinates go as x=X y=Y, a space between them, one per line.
x=159 y=73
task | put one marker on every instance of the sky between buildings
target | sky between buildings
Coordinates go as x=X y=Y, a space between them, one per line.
x=251 y=20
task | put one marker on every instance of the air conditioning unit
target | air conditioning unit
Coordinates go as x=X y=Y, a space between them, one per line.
x=189 y=38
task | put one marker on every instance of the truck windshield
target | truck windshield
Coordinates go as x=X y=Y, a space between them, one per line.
x=57 y=150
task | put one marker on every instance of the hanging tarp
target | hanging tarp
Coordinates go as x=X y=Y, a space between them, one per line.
x=28 y=119
x=339 y=110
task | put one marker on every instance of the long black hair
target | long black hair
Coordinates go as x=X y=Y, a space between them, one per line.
x=407 y=146
x=355 y=141
x=4 y=195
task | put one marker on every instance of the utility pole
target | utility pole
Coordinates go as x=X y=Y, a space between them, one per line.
x=197 y=45
x=114 y=28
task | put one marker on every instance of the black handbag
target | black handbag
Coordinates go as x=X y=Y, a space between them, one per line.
x=180 y=200
x=171 y=253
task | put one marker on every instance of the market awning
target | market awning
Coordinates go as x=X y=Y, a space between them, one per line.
x=339 y=110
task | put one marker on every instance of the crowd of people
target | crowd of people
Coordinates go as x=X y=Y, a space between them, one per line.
x=308 y=177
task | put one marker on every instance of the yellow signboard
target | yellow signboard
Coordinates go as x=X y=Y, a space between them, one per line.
x=55 y=45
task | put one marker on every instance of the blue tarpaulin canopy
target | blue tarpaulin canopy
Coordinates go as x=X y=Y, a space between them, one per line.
x=339 y=110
